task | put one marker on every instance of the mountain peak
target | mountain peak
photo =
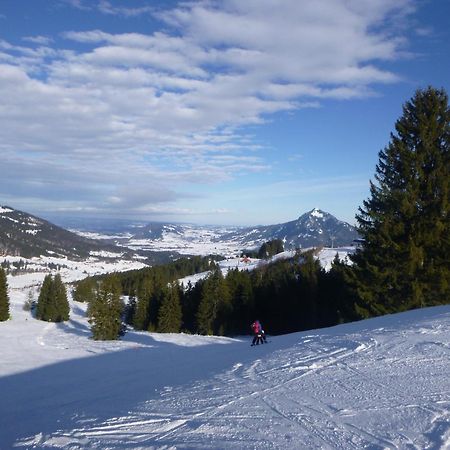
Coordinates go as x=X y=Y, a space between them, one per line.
x=316 y=212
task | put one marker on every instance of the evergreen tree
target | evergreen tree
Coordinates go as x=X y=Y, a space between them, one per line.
x=141 y=317
x=403 y=262
x=62 y=307
x=44 y=304
x=105 y=312
x=215 y=305
x=309 y=272
x=271 y=248
x=336 y=297
x=84 y=290
x=52 y=304
x=4 y=299
x=243 y=301
x=169 y=317
x=191 y=299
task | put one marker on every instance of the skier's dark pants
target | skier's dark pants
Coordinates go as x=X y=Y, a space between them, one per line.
x=257 y=339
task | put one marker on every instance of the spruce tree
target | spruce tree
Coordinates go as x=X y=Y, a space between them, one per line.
x=141 y=317
x=44 y=305
x=4 y=299
x=169 y=316
x=84 y=290
x=308 y=284
x=52 y=305
x=215 y=305
x=60 y=298
x=403 y=262
x=105 y=311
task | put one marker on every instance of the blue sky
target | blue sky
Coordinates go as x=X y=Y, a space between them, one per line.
x=207 y=112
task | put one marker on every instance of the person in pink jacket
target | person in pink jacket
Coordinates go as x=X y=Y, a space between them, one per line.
x=258 y=333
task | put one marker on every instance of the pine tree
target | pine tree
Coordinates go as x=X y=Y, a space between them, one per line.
x=215 y=305
x=403 y=263
x=308 y=272
x=52 y=305
x=105 y=312
x=243 y=300
x=44 y=307
x=61 y=303
x=141 y=316
x=84 y=290
x=4 y=299
x=169 y=317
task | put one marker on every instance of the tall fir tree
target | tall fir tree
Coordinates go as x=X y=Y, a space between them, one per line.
x=43 y=306
x=170 y=316
x=141 y=316
x=309 y=272
x=4 y=298
x=403 y=263
x=60 y=297
x=215 y=305
x=243 y=300
x=105 y=311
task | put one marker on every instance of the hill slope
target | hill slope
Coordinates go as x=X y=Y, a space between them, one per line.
x=22 y=234
x=381 y=383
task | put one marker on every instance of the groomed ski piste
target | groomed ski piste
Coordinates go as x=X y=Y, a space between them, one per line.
x=376 y=384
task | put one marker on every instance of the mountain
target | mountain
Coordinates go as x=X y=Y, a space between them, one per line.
x=315 y=228
x=22 y=234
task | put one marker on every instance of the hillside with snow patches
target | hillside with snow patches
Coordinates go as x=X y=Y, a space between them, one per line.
x=22 y=234
x=376 y=384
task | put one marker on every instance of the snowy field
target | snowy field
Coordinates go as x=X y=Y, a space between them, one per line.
x=376 y=384
x=188 y=240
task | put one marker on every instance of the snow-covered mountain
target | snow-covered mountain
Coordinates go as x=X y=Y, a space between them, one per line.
x=26 y=235
x=315 y=228
x=380 y=383
x=22 y=234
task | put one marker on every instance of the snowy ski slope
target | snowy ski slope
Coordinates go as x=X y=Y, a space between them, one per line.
x=376 y=384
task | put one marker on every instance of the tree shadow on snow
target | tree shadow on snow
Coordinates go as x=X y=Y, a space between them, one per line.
x=65 y=395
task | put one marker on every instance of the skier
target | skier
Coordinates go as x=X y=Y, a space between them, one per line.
x=258 y=333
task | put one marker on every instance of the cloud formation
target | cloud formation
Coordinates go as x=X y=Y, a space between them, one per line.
x=112 y=114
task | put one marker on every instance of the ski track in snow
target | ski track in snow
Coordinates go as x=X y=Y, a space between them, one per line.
x=377 y=384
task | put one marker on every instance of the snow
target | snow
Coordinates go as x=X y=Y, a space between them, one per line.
x=5 y=210
x=33 y=232
x=69 y=270
x=379 y=384
x=105 y=254
x=327 y=255
x=317 y=213
x=225 y=266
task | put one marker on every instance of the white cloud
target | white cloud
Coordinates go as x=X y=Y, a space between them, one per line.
x=42 y=40
x=168 y=108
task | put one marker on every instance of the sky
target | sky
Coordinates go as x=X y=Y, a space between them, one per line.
x=211 y=112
